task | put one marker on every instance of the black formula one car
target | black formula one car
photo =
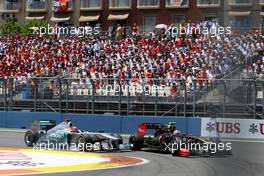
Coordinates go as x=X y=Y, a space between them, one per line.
x=66 y=136
x=167 y=139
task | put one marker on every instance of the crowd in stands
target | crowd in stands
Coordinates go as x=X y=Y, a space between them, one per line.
x=130 y=57
x=254 y=69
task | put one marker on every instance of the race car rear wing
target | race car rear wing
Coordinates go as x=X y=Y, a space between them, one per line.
x=142 y=128
x=153 y=126
x=44 y=125
x=47 y=124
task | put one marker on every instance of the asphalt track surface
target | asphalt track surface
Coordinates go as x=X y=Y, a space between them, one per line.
x=247 y=160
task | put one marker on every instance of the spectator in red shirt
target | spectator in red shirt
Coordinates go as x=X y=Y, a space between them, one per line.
x=134 y=30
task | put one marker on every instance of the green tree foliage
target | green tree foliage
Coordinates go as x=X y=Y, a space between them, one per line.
x=11 y=26
x=35 y=23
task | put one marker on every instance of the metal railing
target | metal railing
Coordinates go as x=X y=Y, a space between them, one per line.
x=208 y=3
x=120 y=4
x=91 y=4
x=37 y=5
x=177 y=4
x=240 y=2
x=207 y=98
x=148 y=3
x=8 y=5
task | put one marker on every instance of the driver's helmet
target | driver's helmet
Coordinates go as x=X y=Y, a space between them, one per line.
x=176 y=132
x=68 y=122
x=74 y=129
x=171 y=127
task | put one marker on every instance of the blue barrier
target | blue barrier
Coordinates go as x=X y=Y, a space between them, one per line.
x=25 y=119
x=114 y=124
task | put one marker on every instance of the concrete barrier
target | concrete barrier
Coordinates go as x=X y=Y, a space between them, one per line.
x=107 y=123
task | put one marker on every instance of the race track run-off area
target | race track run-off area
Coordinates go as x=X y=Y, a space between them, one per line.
x=16 y=159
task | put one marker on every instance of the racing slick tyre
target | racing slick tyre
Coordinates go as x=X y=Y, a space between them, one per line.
x=175 y=146
x=165 y=146
x=118 y=142
x=175 y=153
x=31 y=138
x=180 y=148
x=81 y=143
x=136 y=142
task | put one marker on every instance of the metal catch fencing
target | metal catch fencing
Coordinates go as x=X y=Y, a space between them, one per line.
x=228 y=98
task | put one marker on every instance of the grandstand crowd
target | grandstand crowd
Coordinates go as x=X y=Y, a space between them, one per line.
x=132 y=57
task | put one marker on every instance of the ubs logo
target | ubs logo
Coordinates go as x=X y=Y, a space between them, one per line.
x=223 y=127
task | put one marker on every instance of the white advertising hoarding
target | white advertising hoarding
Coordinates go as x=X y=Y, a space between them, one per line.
x=232 y=128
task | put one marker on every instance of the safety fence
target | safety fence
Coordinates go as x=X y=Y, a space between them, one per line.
x=235 y=98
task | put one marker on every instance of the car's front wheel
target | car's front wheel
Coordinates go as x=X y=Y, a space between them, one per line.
x=30 y=138
x=136 y=143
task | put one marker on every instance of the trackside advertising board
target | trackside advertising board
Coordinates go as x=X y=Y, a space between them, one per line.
x=232 y=128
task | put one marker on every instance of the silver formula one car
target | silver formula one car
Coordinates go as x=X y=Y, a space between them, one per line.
x=44 y=134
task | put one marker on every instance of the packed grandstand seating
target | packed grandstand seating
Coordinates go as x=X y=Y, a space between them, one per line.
x=155 y=60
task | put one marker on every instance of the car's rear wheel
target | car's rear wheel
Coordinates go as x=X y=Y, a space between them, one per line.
x=117 y=142
x=165 y=146
x=136 y=143
x=30 y=138
x=175 y=146
x=81 y=143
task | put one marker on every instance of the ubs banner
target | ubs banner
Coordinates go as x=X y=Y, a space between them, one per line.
x=232 y=128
